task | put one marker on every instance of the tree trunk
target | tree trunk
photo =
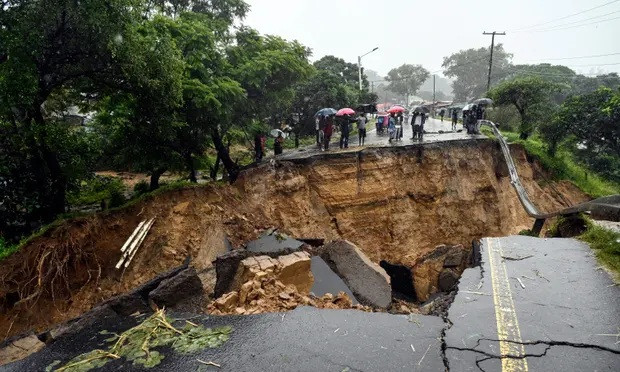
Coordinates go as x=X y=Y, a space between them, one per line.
x=216 y=167
x=57 y=190
x=155 y=174
x=231 y=167
x=189 y=160
x=296 y=140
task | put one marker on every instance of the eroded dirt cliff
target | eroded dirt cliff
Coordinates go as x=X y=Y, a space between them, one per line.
x=396 y=204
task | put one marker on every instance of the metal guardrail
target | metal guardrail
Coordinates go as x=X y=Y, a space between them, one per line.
x=608 y=206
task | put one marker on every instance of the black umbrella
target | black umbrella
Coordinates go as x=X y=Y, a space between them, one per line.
x=483 y=101
x=421 y=109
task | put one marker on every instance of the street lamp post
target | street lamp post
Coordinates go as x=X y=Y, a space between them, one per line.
x=359 y=66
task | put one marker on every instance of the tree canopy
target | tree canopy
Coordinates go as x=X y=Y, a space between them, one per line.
x=529 y=95
x=406 y=79
x=469 y=68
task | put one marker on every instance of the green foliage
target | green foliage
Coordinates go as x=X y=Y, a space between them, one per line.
x=140 y=188
x=406 y=79
x=527 y=232
x=564 y=166
x=529 y=95
x=606 y=245
x=346 y=72
x=6 y=249
x=99 y=189
x=589 y=125
x=470 y=70
x=136 y=344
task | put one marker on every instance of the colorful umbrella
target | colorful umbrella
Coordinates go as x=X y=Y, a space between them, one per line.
x=396 y=109
x=325 y=112
x=345 y=111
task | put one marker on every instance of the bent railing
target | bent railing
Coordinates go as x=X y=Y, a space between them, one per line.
x=607 y=206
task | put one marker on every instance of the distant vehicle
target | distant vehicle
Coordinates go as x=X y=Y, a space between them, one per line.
x=382 y=122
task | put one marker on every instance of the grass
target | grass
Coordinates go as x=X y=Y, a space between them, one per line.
x=563 y=165
x=6 y=249
x=606 y=245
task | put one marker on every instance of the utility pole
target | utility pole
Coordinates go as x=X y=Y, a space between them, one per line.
x=491 y=58
x=434 y=94
x=359 y=67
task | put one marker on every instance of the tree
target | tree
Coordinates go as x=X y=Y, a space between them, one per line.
x=346 y=71
x=406 y=79
x=322 y=89
x=50 y=46
x=470 y=70
x=268 y=68
x=592 y=122
x=529 y=95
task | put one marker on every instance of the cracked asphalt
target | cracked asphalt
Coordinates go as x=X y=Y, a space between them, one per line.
x=554 y=307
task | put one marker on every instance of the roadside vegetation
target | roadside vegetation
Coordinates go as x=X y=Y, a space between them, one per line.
x=606 y=245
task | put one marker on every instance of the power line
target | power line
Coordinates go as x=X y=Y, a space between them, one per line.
x=565 y=58
x=565 y=17
x=571 y=23
x=576 y=26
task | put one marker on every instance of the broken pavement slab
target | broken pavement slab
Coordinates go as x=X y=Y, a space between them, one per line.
x=305 y=339
x=568 y=303
x=368 y=281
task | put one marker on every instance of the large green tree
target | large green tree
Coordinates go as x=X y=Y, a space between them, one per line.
x=406 y=79
x=51 y=46
x=529 y=95
x=590 y=124
x=469 y=68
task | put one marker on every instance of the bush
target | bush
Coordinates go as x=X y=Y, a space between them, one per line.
x=99 y=190
x=6 y=249
x=140 y=188
x=606 y=244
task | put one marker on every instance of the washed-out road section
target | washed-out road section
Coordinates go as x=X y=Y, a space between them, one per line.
x=532 y=304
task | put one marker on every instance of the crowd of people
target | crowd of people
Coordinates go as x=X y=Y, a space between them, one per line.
x=326 y=125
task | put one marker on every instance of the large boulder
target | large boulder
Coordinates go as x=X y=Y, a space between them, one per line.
x=368 y=281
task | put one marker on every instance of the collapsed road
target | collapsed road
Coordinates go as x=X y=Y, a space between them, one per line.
x=561 y=314
x=540 y=304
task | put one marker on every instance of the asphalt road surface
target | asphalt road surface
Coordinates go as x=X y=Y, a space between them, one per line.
x=433 y=127
x=532 y=304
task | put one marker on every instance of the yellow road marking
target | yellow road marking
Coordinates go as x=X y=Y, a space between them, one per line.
x=505 y=314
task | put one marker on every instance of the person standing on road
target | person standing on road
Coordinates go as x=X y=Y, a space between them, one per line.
x=328 y=131
x=414 y=117
x=399 y=122
x=442 y=112
x=277 y=144
x=455 y=119
x=361 y=129
x=344 y=132
x=391 y=127
x=318 y=125
x=258 y=147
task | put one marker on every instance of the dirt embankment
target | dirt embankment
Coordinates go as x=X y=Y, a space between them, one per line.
x=396 y=204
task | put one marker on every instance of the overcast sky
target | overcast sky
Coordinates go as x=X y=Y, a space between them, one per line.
x=423 y=32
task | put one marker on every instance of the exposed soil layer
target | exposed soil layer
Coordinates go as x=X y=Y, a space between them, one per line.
x=395 y=204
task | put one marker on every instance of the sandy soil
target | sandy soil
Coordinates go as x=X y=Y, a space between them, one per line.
x=394 y=204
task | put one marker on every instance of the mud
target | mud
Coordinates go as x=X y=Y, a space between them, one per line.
x=395 y=204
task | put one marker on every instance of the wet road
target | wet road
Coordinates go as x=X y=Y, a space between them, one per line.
x=546 y=303
x=533 y=304
x=433 y=127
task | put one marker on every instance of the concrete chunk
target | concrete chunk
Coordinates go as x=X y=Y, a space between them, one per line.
x=368 y=281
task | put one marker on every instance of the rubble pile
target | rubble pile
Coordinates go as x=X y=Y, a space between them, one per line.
x=265 y=284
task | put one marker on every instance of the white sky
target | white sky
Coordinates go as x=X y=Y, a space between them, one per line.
x=423 y=32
